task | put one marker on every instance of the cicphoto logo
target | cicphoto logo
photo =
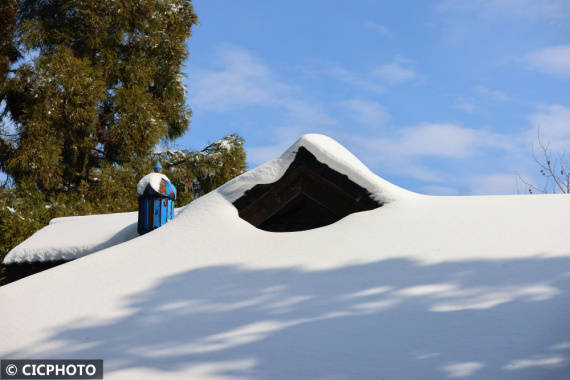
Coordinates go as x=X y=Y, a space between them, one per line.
x=11 y=370
x=51 y=369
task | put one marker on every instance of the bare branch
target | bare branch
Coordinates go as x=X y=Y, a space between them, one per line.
x=555 y=171
x=531 y=187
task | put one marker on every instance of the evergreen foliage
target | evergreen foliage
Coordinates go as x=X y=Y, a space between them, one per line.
x=197 y=173
x=8 y=52
x=104 y=86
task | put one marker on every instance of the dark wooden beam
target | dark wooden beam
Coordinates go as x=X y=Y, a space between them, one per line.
x=309 y=194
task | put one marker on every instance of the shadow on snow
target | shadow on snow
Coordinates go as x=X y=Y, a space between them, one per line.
x=391 y=319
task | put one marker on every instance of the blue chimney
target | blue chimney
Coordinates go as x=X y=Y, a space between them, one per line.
x=156 y=200
x=157 y=167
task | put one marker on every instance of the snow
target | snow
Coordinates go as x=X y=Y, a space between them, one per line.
x=328 y=152
x=152 y=179
x=75 y=236
x=13 y=211
x=423 y=287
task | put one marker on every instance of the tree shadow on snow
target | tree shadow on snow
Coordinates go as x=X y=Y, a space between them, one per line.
x=391 y=319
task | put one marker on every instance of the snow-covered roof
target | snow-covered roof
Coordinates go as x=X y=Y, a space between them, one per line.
x=328 y=152
x=72 y=237
x=423 y=287
x=152 y=179
x=75 y=236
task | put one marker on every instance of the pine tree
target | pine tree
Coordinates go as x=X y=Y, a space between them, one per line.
x=8 y=56
x=195 y=173
x=8 y=52
x=104 y=86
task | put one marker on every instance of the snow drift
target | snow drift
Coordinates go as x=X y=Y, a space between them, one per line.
x=423 y=287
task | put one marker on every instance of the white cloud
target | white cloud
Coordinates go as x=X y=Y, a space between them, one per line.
x=495 y=184
x=306 y=111
x=553 y=124
x=400 y=153
x=482 y=95
x=445 y=140
x=441 y=140
x=355 y=80
x=382 y=29
x=438 y=190
x=465 y=105
x=562 y=346
x=553 y=60
x=260 y=154
x=242 y=80
x=537 y=361
x=408 y=168
x=491 y=94
x=462 y=369
x=545 y=9
x=366 y=112
x=398 y=71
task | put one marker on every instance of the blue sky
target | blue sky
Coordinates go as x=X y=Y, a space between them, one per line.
x=440 y=97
